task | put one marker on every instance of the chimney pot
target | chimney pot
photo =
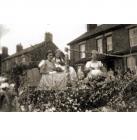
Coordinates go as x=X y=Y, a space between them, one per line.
x=19 y=48
x=4 y=52
x=48 y=37
x=91 y=27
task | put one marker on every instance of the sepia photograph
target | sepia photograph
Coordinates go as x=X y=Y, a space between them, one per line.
x=68 y=68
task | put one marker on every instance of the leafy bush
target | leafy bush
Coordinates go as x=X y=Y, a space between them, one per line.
x=119 y=95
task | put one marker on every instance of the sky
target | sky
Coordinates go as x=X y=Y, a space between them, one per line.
x=31 y=34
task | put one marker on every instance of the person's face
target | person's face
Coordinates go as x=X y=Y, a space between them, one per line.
x=50 y=56
x=94 y=56
x=58 y=54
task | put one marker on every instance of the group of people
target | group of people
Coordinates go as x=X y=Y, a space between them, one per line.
x=56 y=72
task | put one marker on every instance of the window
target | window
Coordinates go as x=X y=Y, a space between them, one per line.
x=100 y=45
x=82 y=51
x=109 y=43
x=23 y=60
x=131 y=63
x=133 y=37
x=16 y=60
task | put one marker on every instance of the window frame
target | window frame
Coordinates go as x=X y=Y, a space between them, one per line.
x=131 y=39
x=130 y=61
x=97 y=39
x=109 y=50
x=82 y=52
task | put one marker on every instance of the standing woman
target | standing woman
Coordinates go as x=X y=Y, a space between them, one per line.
x=47 y=69
x=94 y=67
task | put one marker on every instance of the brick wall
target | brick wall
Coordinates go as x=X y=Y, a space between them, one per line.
x=120 y=39
x=90 y=45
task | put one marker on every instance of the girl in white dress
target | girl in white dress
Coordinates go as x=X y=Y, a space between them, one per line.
x=93 y=67
x=63 y=71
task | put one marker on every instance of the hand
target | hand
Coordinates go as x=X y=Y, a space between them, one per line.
x=45 y=73
x=86 y=70
x=58 y=69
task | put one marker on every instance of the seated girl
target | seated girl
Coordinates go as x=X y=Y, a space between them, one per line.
x=65 y=73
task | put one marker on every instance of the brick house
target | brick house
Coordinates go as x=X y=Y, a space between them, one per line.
x=3 y=55
x=33 y=54
x=116 y=44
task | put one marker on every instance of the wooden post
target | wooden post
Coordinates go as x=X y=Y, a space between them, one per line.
x=67 y=67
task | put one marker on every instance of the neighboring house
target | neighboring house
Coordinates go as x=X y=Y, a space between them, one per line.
x=3 y=55
x=116 y=43
x=33 y=54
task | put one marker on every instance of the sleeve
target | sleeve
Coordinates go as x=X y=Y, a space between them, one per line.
x=73 y=74
x=100 y=64
x=87 y=65
x=41 y=63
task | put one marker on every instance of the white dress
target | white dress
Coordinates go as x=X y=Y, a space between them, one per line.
x=61 y=77
x=55 y=80
x=47 y=81
x=95 y=68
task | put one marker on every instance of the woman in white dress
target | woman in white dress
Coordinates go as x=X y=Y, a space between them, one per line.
x=65 y=73
x=47 y=70
x=94 y=67
x=54 y=73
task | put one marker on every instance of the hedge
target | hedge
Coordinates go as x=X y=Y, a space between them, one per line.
x=117 y=95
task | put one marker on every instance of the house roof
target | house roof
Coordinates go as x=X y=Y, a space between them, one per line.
x=97 y=31
x=27 y=50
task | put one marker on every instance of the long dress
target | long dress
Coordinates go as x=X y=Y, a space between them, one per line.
x=95 y=68
x=53 y=80
x=61 y=77
x=47 y=71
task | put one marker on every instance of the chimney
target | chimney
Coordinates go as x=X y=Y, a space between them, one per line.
x=91 y=27
x=4 y=52
x=48 y=37
x=19 y=48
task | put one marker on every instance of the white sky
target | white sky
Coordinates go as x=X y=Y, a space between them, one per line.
x=31 y=34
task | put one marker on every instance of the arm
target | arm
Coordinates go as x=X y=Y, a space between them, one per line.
x=87 y=67
x=42 y=67
x=101 y=66
x=41 y=63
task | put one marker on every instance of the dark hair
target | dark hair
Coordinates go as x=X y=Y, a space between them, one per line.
x=49 y=51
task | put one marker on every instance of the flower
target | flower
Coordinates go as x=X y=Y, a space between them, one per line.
x=3 y=79
x=4 y=85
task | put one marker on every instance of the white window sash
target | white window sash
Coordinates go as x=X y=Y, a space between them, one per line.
x=109 y=43
x=82 y=51
x=100 y=45
x=133 y=37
